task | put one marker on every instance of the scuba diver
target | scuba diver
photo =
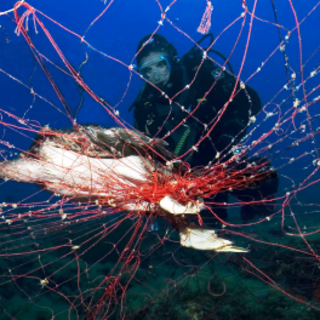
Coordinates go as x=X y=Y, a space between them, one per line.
x=154 y=115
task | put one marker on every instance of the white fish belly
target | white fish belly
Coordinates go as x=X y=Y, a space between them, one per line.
x=66 y=169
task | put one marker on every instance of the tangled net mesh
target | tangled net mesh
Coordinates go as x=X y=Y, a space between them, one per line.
x=86 y=252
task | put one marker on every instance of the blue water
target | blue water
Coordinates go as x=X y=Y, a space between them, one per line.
x=117 y=34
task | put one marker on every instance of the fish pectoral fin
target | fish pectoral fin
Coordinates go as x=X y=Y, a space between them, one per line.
x=206 y=239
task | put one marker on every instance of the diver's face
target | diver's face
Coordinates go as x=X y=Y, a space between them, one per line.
x=156 y=68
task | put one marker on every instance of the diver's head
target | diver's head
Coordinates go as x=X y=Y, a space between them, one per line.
x=155 y=58
x=156 y=68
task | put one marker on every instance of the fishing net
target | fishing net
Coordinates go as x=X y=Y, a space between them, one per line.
x=96 y=217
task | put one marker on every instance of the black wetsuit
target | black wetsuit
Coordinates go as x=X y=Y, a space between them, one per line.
x=154 y=116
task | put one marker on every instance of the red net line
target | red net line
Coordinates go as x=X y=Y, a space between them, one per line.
x=80 y=247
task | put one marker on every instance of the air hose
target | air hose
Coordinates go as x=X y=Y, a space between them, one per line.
x=182 y=141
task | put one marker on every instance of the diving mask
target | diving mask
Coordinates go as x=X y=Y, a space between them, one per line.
x=157 y=69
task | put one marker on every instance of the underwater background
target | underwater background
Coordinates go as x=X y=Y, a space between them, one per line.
x=220 y=288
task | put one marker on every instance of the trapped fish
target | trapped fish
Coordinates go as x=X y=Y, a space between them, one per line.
x=114 y=167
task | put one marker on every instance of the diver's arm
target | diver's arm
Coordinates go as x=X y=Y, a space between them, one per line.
x=245 y=104
x=240 y=110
